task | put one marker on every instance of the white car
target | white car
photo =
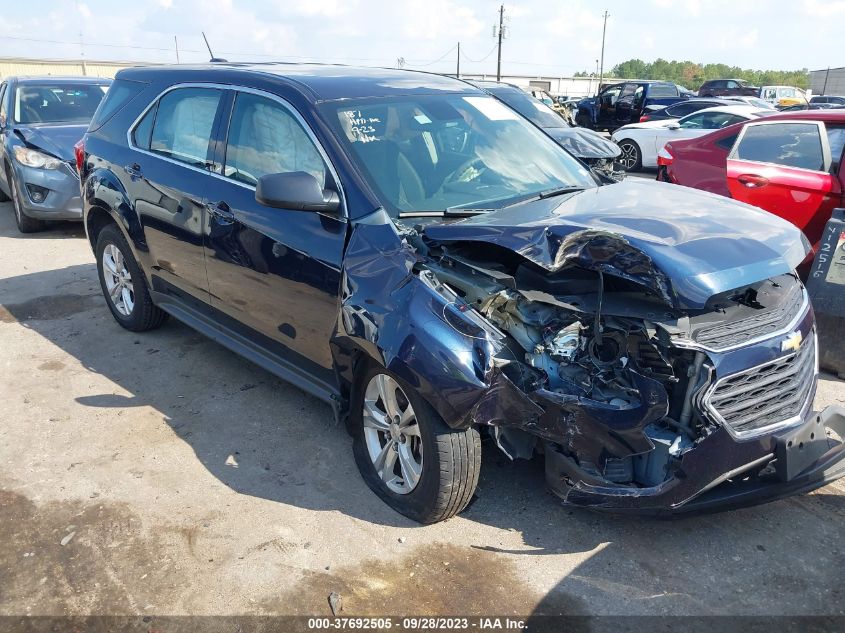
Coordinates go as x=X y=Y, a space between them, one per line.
x=640 y=142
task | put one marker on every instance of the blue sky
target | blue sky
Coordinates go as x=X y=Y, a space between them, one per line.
x=545 y=36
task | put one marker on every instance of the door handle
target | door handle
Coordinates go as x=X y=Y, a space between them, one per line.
x=752 y=181
x=222 y=212
x=133 y=170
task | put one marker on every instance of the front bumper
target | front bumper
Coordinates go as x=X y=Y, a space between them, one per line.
x=754 y=471
x=63 y=200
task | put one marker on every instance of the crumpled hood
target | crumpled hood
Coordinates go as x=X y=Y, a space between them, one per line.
x=57 y=140
x=584 y=143
x=684 y=245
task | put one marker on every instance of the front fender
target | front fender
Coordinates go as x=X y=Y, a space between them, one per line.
x=403 y=319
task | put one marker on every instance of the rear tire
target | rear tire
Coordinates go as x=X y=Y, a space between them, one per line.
x=124 y=285
x=449 y=460
x=25 y=223
x=631 y=158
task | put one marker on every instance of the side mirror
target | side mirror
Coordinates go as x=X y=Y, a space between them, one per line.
x=295 y=190
x=673 y=126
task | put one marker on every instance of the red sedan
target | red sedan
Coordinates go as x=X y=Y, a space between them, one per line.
x=787 y=164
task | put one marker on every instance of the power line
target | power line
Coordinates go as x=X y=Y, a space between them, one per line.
x=478 y=61
x=439 y=59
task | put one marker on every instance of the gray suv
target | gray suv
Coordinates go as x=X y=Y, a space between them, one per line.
x=41 y=118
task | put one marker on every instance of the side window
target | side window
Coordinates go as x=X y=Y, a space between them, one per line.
x=716 y=120
x=836 y=140
x=610 y=95
x=628 y=92
x=182 y=128
x=3 y=103
x=265 y=138
x=118 y=95
x=682 y=109
x=789 y=144
x=693 y=122
x=142 y=131
x=731 y=85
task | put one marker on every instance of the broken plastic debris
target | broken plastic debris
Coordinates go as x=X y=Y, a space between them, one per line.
x=231 y=461
x=335 y=602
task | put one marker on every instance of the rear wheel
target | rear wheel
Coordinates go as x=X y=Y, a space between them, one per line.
x=123 y=283
x=407 y=454
x=631 y=158
x=25 y=223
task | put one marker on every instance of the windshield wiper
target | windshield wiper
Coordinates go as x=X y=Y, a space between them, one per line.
x=450 y=212
x=542 y=195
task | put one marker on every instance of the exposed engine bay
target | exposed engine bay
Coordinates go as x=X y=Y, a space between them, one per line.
x=612 y=369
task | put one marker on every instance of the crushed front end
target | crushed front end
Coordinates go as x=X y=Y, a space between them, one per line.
x=636 y=404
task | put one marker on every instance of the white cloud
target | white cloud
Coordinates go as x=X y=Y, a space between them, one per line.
x=824 y=9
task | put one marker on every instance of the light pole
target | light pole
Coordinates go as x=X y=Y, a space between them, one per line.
x=601 y=67
x=501 y=29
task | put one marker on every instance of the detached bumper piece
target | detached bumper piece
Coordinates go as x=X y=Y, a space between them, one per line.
x=751 y=472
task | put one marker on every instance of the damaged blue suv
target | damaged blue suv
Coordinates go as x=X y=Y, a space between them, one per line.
x=410 y=250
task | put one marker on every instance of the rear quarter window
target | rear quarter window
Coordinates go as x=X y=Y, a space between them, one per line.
x=663 y=91
x=119 y=94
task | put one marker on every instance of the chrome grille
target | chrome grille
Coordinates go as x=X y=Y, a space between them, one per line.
x=767 y=396
x=727 y=335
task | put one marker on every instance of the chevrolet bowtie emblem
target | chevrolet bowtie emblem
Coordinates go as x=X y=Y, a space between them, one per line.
x=792 y=342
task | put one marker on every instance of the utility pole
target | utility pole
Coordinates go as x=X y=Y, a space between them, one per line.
x=501 y=29
x=601 y=67
x=176 y=41
x=458 y=69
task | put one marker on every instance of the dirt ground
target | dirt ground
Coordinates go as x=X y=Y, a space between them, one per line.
x=161 y=474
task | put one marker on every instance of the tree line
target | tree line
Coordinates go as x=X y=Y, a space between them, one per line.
x=691 y=75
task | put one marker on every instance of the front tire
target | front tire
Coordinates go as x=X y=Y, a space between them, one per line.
x=407 y=454
x=631 y=158
x=25 y=223
x=123 y=283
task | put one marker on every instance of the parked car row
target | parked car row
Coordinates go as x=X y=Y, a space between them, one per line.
x=434 y=265
x=641 y=142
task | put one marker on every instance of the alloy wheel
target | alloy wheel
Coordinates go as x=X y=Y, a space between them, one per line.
x=392 y=434
x=629 y=156
x=118 y=280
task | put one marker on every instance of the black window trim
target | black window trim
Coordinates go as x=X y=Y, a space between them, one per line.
x=822 y=137
x=225 y=108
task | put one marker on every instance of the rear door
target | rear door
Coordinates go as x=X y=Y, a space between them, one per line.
x=275 y=273
x=785 y=168
x=166 y=176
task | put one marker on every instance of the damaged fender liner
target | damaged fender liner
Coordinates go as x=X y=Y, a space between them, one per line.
x=592 y=430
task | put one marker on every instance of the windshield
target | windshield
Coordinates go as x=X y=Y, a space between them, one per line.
x=532 y=109
x=57 y=103
x=439 y=152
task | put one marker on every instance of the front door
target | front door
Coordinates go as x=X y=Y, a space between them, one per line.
x=607 y=105
x=785 y=168
x=274 y=271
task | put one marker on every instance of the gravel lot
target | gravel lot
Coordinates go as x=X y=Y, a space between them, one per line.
x=160 y=473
